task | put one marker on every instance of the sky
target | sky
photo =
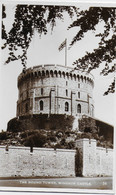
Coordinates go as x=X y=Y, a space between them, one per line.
x=44 y=50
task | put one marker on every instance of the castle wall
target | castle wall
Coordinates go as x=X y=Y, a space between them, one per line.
x=104 y=161
x=19 y=161
x=97 y=161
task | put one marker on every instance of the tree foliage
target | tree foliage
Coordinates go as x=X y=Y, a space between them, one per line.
x=35 y=140
x=27 y=19
x=87 y=124
x=88 y=20
x=3 y=135
x=30 y=17
x=4 y=34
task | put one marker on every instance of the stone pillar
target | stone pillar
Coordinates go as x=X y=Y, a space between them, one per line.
x=87 y=151
x=75 y=123
x=90 y=106
x=52 y=101
x=89 y=157
x=79 y=158
x=73 y=103
x=32 y=101
x=57 y=99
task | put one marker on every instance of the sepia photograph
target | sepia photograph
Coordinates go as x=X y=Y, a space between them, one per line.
x=57 y=84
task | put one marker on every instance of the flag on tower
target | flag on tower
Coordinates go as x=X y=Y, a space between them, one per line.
x=63 y=44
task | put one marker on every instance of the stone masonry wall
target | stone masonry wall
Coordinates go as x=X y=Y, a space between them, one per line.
x=97 y=161
x=19 y=161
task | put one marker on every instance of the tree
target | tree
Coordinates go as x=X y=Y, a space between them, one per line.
x=87 y=20
x=30 y=17
x=27 y=19
x=87 y=124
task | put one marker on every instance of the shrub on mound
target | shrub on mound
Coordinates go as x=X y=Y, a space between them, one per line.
x=15 y=125
x=40 y=121
x=3 y=136
x=35 y=140
x=87 y=125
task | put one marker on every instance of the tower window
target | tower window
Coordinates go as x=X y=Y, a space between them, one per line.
x=66 y=92
x=66 y=106
x=78 y=85
x=41 y=105
x=66 y=83
x=41 y=91
x=78 y=94
x=78 y=108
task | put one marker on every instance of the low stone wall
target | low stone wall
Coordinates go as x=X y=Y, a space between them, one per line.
x=91 y=161
x=104 y=161
x=19 y=161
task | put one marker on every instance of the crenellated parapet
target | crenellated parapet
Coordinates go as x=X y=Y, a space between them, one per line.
x=52 y=70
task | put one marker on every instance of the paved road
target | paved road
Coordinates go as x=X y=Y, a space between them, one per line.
x=76 y=183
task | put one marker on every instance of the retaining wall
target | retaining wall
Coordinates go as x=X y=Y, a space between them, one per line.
x=19 y=161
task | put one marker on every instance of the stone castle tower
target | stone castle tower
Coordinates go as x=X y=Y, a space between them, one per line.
x=55 y=89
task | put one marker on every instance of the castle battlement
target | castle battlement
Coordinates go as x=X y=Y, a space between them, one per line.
x=53 y=70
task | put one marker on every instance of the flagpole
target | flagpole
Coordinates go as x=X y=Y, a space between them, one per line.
x=66 y=54
x=64 y=44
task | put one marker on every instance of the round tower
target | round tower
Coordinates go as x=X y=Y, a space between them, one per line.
x=55 y=89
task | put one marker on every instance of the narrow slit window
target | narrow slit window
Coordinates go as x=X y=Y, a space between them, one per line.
x=78 y=94
x=66 y=106
x=41 y=91
x=41 y=105
x=78 y=108
x=66 y=92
